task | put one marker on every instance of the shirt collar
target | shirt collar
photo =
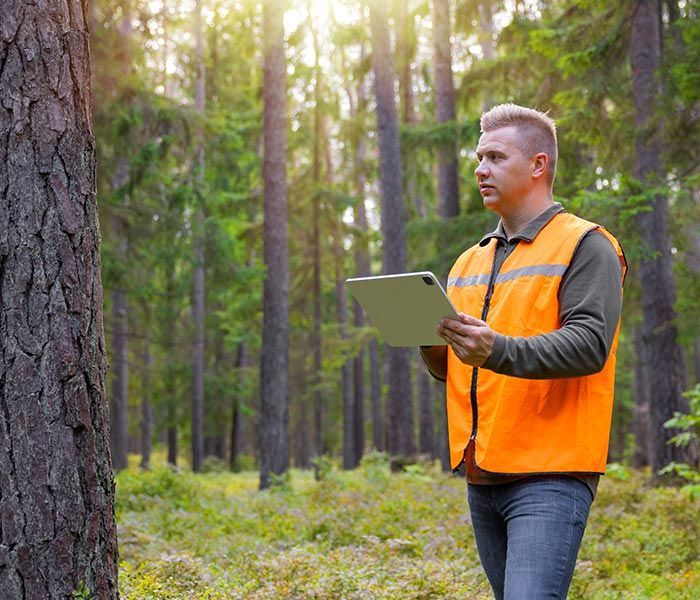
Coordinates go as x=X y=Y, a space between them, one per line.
x=527 y=233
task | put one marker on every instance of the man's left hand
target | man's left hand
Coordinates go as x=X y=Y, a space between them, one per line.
x=470 y=338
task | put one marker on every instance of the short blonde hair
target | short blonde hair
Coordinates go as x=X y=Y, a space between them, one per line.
x=538 y=132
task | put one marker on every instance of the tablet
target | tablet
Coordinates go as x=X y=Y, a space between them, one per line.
x=406 y=308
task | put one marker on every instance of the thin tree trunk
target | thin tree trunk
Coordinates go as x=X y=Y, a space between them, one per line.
x=119 y=418
x=274 y=417
x=640 y=419
x=488 y=47
x=442 y=445
x=362 y=264
x=378 y=428
x=146 y=407
x=237 y=421
x=393 y=223
x=316 y=341
x=198 y=309
x=448 y=172
x=662 y=352
x=56 y=485
x=426 y=396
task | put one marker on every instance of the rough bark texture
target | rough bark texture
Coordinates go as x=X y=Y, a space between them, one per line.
x=274 y=363
x=378 y=428
x=198 y=308
x=666 y=377
x=56 y=488
x=448 y=173
x=393 y=223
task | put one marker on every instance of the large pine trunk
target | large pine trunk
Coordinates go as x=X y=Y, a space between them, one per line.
x=57 y=523
x=393 y=223
x=666 y=373
x=448 y=173
x=274 y=363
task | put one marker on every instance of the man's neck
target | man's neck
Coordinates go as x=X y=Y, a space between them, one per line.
x=515 y=222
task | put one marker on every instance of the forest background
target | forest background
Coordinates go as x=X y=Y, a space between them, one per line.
x=249 y=158
x=178 y=115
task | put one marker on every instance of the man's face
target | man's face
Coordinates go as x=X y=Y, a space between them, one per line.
x=504 y=174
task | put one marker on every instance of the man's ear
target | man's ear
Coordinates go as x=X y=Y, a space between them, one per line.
x=539 y=165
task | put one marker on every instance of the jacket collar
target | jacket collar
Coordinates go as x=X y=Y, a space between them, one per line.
x=529 y=232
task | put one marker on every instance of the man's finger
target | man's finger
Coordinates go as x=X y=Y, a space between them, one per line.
x=469 y=320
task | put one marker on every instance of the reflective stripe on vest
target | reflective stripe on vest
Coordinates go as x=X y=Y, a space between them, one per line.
x=526 y=425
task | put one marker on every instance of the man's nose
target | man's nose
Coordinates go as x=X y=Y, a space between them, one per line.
x=481 y=170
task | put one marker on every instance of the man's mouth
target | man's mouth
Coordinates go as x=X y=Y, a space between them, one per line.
x=484 y=187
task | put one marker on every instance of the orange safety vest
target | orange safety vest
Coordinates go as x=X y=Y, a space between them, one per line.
x=527 y=425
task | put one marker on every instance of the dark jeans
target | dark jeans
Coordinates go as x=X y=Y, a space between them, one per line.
x=528 y=534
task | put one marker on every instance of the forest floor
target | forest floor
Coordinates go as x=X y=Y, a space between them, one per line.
x=367 y=534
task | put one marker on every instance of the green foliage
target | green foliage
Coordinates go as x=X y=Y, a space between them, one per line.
x=690 y=423
x=81 y=592
x=369 y=534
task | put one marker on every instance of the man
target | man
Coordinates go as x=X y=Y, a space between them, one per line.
x=530 y=382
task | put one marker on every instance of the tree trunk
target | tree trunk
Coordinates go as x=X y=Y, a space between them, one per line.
x=393 y=223
x=57 y=523
x=316 y=341
x=405 y=51
x=198 y=309
x=448 y=172
x=488 y=47
x=362 y=265
x=274 y=417
x=426 y=402
x=119 y=417
x=666 y=377
x=146 y=407
x=378 y=428
x=640 y=419
x=237 y=421
x=442 y=446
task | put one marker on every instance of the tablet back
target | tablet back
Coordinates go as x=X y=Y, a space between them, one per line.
x=406 y=308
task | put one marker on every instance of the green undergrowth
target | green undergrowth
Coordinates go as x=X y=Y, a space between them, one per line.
x=368 y=534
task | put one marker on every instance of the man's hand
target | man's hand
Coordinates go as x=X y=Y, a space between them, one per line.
x=470 y=338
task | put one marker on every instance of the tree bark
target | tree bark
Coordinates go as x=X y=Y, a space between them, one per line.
x=666 y=378
x=274 y=417
x=146 y=406
x=57 y=523
x=198 y=308
x=640 y=418
x=426 y=402
x=448 y=172
x=393 y=223
x=362 y=264
x=119 y=418
x=316 y=341
x=237 y=421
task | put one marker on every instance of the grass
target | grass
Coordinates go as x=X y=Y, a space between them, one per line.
x=368 y=534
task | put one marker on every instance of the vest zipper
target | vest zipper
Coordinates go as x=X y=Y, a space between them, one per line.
x=475 y=370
